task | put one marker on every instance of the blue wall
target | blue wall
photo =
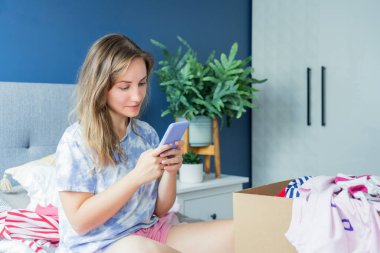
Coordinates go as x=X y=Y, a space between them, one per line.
x=46 y=41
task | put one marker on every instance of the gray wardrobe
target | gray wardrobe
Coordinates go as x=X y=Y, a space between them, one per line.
x=319 y=111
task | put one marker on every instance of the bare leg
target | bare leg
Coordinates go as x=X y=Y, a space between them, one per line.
x=203 y=237
x=135 y=243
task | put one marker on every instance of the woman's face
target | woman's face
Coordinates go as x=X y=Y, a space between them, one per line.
x=125 y=98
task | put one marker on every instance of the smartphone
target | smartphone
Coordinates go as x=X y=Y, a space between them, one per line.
x=174 y=133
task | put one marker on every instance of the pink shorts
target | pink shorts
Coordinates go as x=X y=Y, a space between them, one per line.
x=159 y=231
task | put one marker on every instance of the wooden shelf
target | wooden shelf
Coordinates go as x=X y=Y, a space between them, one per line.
x=207 y=151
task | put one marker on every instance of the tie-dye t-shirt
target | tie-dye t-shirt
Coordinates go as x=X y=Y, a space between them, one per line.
x=76 y=172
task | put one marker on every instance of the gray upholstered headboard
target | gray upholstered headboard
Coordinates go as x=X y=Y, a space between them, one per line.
x=33 y=117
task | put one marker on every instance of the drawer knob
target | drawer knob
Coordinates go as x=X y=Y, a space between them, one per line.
x=213 y=216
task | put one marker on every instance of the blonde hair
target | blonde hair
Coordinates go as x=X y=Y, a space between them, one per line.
x=105 y=60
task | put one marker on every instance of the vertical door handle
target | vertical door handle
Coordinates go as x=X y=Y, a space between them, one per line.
x=308 y=95
x=323 y=94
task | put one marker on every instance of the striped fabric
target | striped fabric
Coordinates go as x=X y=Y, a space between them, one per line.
x=291 y=190
x=34 y=230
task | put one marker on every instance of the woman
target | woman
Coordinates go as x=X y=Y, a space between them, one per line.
x=115 y=186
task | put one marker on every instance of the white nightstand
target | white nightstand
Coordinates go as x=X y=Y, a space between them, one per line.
x=210 y=199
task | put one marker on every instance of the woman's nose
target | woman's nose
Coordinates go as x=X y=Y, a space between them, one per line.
x=136 y=95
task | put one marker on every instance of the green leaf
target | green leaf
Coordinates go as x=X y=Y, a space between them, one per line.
x=234 y=72
x=164 y=113
x=210 y=78
x=158 y=44
x=233 y=51
x=161 y=46
x=224 y=61
x=170 y=82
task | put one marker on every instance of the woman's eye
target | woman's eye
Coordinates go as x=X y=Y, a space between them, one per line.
x=124 y=88
x=142 y=83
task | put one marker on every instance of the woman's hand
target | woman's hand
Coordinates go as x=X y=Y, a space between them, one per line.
x=172 y=158
x=149 y=165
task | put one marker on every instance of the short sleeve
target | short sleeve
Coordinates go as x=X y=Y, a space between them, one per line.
x=75 y=171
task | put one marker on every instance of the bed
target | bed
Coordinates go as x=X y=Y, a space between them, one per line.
x=33 y=117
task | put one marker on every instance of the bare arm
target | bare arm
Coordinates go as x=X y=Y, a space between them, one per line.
x=166 y=194
x=86 y=211
x=168 y=182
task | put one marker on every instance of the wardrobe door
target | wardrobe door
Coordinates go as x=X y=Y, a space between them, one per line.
x=338 y=42
x=350 y=52
x=284 y=45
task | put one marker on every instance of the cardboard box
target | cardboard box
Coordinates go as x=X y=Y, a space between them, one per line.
x=261 y=220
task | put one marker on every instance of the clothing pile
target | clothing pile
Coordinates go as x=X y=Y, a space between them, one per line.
x=336 y=214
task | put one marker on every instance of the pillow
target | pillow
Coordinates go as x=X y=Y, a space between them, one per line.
x=38 y=178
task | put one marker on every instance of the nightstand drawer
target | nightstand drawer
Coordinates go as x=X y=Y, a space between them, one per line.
x=209 y=208
x=210 y=199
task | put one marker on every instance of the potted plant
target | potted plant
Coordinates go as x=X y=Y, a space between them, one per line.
x=216 y=88
x=191 y=170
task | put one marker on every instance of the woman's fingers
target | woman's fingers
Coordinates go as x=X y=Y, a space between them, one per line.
x=179 y=144
x=172 y=152
x=170 y=158
x=163 y=150
x=172 y=161
x=160 y=150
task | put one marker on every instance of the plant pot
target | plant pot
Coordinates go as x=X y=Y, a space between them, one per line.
x=200 y=131
x=191 y=173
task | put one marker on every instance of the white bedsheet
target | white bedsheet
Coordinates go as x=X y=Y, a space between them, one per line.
x=9 y=246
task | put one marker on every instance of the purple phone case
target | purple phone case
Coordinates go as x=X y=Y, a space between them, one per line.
x=174 y=133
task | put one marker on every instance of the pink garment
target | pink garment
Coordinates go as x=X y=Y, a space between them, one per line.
x=35 y=230
x=159 y=231
x=368 y=184
x=47 y=210
x=327 y=219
